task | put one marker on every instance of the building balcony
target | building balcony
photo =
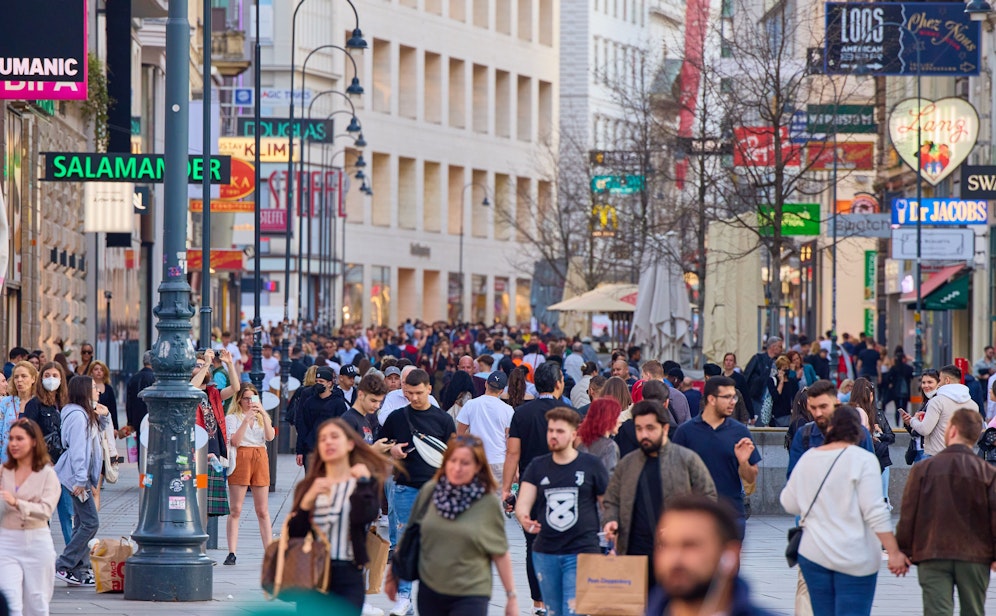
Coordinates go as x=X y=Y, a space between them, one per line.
x=228 y=52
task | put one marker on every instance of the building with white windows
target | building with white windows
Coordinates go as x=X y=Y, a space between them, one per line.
x=460 y=102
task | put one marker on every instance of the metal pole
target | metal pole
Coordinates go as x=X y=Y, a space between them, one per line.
x=107 y=318
x=170 y=564
x=212 y=527
x=206 y=189
x=256 y=370
x=833 y=255
x=460 y=303
x=918 y=315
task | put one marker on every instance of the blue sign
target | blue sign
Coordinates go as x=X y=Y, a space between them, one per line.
x=940 y=212
x=244 y=97
x=882 y=38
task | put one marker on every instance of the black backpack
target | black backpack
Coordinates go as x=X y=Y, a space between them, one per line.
x=50 y=422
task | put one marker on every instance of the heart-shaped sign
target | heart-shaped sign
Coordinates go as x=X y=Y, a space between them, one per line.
x=937 y=135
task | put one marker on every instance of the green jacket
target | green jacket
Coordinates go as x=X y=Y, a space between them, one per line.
x=682 y=472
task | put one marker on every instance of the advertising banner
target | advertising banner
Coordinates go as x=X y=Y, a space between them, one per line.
x=935 y=244
x=139 y=169
x=936 y=135
x=940 y=212
x=841 y=119
x=850 y=156
x=901 y=38
x=978 y=182
x=43 y=50
x=797 y=219
x=315 y=131
x=755 y=147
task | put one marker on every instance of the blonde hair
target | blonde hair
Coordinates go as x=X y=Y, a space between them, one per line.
x=107 y=373
x=309 y=376
x=782 y=362
x=236 y=408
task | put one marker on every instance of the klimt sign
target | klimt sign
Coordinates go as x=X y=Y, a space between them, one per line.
x=272 y=150
x=43 y=50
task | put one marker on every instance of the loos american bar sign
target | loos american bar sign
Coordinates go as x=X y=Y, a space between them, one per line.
x=136 y=168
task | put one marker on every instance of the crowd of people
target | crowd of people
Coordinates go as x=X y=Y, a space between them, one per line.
x=444 y=428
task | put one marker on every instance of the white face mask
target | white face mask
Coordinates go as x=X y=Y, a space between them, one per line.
x=51 y=383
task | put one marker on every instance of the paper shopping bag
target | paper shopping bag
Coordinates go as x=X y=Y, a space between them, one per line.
x=108 y=558
x=611 y=585
x=377 y=549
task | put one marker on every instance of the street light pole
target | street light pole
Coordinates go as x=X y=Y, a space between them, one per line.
x=206 y=189
x=485 y=202
x=256 y=370
x=918 y=315
x=169 y=564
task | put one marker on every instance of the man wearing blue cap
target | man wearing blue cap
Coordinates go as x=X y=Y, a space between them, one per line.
x=487 y=417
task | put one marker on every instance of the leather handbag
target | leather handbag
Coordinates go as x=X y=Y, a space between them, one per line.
x=295 y=564
x=795 y=533
x=405 y=561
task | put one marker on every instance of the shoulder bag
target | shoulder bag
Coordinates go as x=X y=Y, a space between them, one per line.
x=296 y=563
x=429 y=448
x=405 y=561
x=795 y=533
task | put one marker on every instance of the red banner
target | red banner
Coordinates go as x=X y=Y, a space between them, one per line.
x=755 y=147
x=273 y=221
x=221 y=260
x=858 y=156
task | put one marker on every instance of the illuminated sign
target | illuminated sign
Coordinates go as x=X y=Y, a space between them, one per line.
x=940 y=212
x=271 y=150
x=139 y=169
x=315 y=131
x=936 y=135
x=43 y=50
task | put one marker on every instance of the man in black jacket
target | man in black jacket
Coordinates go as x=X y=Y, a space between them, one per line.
x=759 y=370
x=326 y=403
x=135 y=407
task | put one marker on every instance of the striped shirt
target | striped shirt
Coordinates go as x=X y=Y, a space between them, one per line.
x=331 y=516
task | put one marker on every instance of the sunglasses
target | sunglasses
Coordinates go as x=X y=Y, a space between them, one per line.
x=86 y=352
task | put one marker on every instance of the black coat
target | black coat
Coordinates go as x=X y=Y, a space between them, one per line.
x=135 y=407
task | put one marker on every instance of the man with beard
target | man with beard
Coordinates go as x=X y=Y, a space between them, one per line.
x=723 y=443
x=644 y=479
x=566 y=486
x=821 y=399
x=697 y=558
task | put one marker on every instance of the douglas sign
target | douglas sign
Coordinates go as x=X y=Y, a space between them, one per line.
x=43 y=50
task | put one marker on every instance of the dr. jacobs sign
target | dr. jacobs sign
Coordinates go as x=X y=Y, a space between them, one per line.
x=43 y=50
x=940 y=212
x=936 y=135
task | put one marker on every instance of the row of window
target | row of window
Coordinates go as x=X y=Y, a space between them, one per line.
x=617 y=65
x=448 y=191
x=632 y=11
x=460 y=94
x=532 y=19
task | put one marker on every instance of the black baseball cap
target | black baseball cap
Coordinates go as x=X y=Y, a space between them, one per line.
x=350 y=371
x=325 y=373
x=497 y=380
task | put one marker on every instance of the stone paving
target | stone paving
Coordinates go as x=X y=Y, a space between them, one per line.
x=237 y=592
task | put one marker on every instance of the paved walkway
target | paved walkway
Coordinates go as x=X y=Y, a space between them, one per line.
x=237 y=592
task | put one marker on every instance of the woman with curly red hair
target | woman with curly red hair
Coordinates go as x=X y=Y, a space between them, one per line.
x=596 y=431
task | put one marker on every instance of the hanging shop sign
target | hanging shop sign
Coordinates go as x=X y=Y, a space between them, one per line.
x=882 y=38
x=841 y=119
x=935 y=244
x=936 y=135
x=850 y=156
x=860 y=225
x=221 y=260
x=798 y=219
x=221 y=206
x=604 y=220
x=940 y=212
x=273 y=221
x=755 y=146
x=978 y=182
x=618 y=184
x=140 y=169
x=314 y=131
x=43 y=50
x=242 y=184
x=271 y=149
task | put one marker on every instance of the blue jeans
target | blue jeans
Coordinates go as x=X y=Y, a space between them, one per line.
x=557 y=575
x=392 y=516
x=65 y=510
x=837 y=594
x=885 y=483
x=76 y=556
x=404 y=498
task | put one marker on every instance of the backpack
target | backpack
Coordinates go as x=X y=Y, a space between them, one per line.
x=53 y=438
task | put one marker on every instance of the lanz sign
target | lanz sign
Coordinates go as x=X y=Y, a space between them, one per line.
x=43 y=50
x=139 y=169
x=940 y=212
x=315 y=131
x=978 y=182
x=936 y=136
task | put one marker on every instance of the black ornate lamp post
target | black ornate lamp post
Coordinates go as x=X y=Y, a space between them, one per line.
x=169 y=564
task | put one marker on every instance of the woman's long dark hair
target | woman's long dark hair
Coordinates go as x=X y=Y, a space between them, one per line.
x=845 y=426
x=55 y=398
x=39 y=455
x=81 y=393
x=362 y=453
x=800 y=408
x=460 y=383
x=517 y=387
x=863 y=397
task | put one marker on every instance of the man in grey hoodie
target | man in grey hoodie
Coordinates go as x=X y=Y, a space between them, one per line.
x=933 y=423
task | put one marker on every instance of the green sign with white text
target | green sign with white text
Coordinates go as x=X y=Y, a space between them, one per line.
x=797 y=219
x=136 y=168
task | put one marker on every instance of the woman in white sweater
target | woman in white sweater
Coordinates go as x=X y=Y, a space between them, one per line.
x=839 y=554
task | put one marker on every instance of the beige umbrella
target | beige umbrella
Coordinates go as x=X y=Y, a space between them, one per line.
x=604 y=299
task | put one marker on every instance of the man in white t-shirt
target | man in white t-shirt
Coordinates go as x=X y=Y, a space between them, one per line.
x=396 y=399
x=233 y=348
x=270 y=365
x=488 y=418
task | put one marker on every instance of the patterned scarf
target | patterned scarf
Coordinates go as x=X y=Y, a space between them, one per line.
x=453 y=500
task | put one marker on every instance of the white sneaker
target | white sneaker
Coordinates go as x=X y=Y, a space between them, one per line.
x=369 y=610
x=403 y=607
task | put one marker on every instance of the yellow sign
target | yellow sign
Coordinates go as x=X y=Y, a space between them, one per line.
x=221 y=206
x=271 y=150
x=604 y=220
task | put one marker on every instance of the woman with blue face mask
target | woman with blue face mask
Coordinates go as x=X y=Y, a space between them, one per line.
x=51 y=394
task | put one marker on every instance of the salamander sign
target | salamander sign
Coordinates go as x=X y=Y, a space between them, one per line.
x=43 y=50
x=140 y=169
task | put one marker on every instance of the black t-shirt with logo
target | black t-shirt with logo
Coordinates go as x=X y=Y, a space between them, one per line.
x=567 y=503
x=361 y=424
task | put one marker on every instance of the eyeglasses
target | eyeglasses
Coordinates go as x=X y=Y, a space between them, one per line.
x=733 y=397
